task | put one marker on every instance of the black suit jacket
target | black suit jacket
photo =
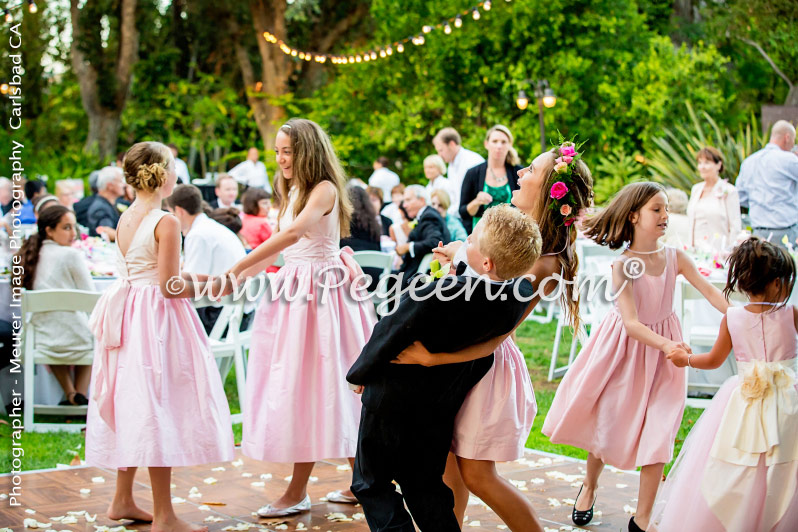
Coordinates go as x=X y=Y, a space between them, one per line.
x=101 y=213
x=82 y=209
x=429 y=230
x=473 y=182
x=448 y=324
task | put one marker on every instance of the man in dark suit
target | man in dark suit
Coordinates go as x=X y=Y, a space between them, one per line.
x=103 y=215
x=429 y=229
x=408 y=411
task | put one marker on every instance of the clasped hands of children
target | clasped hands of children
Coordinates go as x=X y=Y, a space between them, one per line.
x=678 y=353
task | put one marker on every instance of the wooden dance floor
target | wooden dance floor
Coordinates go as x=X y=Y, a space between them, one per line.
x=224 y=497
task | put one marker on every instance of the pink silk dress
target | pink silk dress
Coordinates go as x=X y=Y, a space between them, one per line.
x=621 y=399
x=307 y=332
x=738 y=468
x=157 y=398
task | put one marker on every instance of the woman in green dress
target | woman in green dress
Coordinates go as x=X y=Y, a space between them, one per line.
x=492 y=182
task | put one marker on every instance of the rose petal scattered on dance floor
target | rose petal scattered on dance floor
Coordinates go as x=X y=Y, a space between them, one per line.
x=210 y=480
x=98 y=480
x=85 y=491
x=237 y=463
x=629 y=509
x=220 y=468
x=267 y=476
x=178 y=500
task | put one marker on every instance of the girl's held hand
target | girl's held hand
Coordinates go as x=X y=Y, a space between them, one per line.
x=445 y=254
x=359 y=389
x=415 y=353
x=678 y=356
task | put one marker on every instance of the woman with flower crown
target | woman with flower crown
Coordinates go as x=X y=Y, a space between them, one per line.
x=494 y=422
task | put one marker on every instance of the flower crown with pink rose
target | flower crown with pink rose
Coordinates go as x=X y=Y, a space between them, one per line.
x=560 y=192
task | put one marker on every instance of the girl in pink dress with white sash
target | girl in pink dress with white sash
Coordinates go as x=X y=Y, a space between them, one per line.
x=621 y=400
x=738 y=469
x=298 y=407
x=157 y=398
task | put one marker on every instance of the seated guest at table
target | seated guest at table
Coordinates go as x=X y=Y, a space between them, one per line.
x=364 y=226
x=230 y=218
x=209 y=247
x=439 y=200
x=103 y=215
x=82 y=207
x=434 y=171
x=714 y=208
x=678 y=232
x=375 y=197
x=426 y=232
x=490 y=183
x=42 y=203
x=226 y=192
x=252 y=172
x=34 y=189
x=256 y=204
x=5 y=194
x=50 y=263
x=391 y=210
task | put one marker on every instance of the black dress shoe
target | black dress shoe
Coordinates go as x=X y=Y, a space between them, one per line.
x=633 y=526
x=582 y=517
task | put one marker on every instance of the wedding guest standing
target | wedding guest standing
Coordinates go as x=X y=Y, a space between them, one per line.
x=714 y=208
x=226 y=191
x=252 y=172
x=768 y=186
x=448 y=144
x=678 y=232
x=383 y=178
x=490 y=183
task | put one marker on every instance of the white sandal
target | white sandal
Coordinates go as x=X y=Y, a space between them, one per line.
x=271 y=511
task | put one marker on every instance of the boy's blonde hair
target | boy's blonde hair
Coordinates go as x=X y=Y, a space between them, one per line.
x=511 y=239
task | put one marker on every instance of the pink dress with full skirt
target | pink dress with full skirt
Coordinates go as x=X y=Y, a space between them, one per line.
x=497 y=414
x=621 y=399
x=298 y=406
x=157 y=398
x=738 y=468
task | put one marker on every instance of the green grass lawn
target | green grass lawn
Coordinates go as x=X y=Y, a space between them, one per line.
x=535 y=340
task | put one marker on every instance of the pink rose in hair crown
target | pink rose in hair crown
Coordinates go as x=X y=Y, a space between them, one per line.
x=565 y=210
x=560 y=167
x=558 y=190
x=567 y=159
x=568 y=151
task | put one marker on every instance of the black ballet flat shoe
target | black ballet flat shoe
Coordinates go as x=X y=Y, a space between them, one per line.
x=80 y=399
x=582 y=517
x=633 y=526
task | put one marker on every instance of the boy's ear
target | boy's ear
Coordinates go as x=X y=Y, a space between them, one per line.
x=487 y=265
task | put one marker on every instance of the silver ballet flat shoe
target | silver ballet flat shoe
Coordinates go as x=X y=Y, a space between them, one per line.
x=339 y=497
x=271 y=511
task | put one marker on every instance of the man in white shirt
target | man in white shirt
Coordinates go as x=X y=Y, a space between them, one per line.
x=383 y=178
x=209 y=248
x=252 y=172
x=181 y=168
x=448 y=145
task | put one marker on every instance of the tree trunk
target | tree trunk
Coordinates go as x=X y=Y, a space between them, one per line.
x=103 y=133
x=104 y=115
x=792 y=96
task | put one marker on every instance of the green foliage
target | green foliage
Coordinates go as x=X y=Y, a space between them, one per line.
x=671 y=159
x=614 y=171
x=617 y=82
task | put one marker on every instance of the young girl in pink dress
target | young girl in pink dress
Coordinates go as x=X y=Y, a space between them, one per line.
x=738 y=469
x=298 y=407
x=494 y=422
x=621 y=400
x=157 y=399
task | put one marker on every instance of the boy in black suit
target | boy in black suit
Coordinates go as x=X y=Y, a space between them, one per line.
x=409 y=410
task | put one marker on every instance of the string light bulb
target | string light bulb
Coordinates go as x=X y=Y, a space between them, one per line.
x=458 y=21
x=486 y=5
x=400 y=48
x=427 y=28
x=4 y=88
x=373 y=54
x=8 y=16
x=475 y=14
x=382 y=53
x=32 y=6
x=447 y=29
x=389 y=51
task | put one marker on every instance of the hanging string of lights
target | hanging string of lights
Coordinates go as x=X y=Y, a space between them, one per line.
x=386 y=50
x=9 y=17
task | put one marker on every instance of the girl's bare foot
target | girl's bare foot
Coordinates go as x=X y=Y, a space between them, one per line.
x=128 y=510
x=173 y=524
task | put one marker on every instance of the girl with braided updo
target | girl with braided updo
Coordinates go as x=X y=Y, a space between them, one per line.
x=494 y=422
x=157 y=399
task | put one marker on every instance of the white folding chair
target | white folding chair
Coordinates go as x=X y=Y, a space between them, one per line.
x=594 y=271
x=33 y=302
x=700 y=335
x=425 y=262
x=376 y=259
x=227 y=348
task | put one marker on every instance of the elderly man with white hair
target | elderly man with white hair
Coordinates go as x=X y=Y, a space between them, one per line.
x=5 y=194
x=103 y=214
x=427 y=230
x=768 y=186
